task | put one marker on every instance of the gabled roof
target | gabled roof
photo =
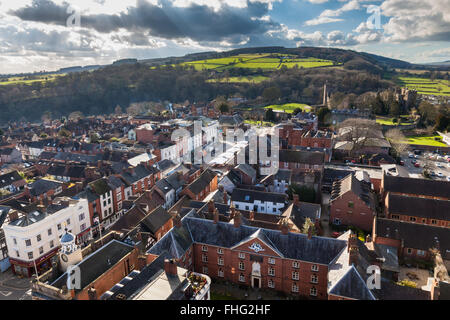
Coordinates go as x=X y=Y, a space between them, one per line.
x=299 y=156
x=9 y=178
x=223 y=234
x=419 y=207
x=415 y=186
x=43 y=185
x=156 y=219
x=259 y=234
x=351 y=285
x=415 y=235
x=202 y=182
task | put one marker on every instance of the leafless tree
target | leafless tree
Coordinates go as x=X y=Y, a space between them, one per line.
x=397 y=140
x=357 y=132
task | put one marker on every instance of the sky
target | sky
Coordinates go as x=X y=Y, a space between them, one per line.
x=45 y=35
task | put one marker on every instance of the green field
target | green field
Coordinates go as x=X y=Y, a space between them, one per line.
x=24 y=80
x=389 y=121
x=264 y=61
x=249 y=79
x=426 y=141
x=289 y=107
x=426 y=86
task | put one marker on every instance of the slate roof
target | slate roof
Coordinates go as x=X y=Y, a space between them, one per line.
x=352 y=285
x=42 y=186
x=140 y=172
x=156 y=219
x=299 y=213
x=299 y=156
x=202 y=182
x=247 y=169
x=97 y=263
x=9 y=178
x=249 y=196
x=352 y=184
x=415 y=235
x=136 y=280
x=292 y=246
x=415 y=186
x=419 y=207
x=164 y=186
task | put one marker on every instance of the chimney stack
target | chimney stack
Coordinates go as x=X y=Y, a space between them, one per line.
x=237 y=218
x=170 y=267
x=216 y=216
x=310 y=233
x=285 y=227
x=252 y=215
x=353 y=256
x=225 y=198
x=177 y=220
x=211 y=206
x=148 y=193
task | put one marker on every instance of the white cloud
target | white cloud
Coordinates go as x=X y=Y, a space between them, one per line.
x=328 y=16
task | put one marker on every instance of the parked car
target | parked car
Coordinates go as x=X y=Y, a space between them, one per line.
x=417 y=165
x=402 y=163
x=410 y=155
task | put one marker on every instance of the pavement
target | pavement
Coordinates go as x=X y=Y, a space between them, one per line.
x=13 y=287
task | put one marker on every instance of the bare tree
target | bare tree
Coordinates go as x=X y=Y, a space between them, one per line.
x=358 y=132
x=397 y=140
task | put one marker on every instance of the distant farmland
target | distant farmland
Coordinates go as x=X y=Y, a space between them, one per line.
x=28 y=80
x=258 y=61
x=426 y=86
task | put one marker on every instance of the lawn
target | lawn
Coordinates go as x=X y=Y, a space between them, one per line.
x=41 y=78
x=249 y=79
x=426 y=86
x=389 y=121
x=426 y=141
x=289 y=107
x=258 y=123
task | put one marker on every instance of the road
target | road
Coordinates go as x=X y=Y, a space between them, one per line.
x=14 y=288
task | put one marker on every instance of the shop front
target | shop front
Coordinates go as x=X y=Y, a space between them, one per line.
x=27 y=268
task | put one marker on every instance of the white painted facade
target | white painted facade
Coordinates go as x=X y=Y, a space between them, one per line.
x=43 y=236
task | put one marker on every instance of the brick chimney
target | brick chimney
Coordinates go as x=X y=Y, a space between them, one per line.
x=170 y=267
x=352 y=241
x=295 y=199
x=252 y=215
x=216 y=216
x=131 y=170
x=353 y=256
x=310 y=233
x=148 y=194
x=211 y=206
x=177 y=220
x=225 y=197
x=285 y=227
x=237 y=218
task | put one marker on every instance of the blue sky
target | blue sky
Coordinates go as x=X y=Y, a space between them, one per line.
x=40 y=35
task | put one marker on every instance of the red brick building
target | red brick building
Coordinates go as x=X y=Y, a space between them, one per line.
x=202 y=186
x=428 y=211
x=352 y=203
x=293 y=263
